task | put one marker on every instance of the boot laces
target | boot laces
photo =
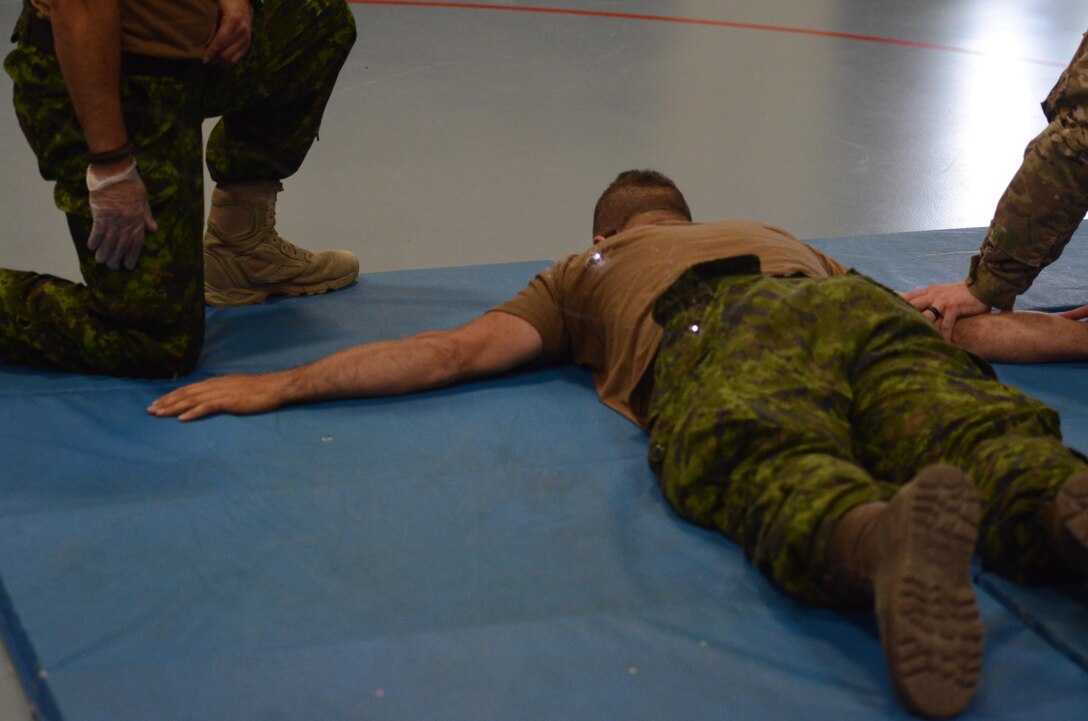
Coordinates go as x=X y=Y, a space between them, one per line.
x=282 y=244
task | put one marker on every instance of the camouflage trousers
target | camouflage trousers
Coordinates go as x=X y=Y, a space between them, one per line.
x=781 y=403
x=150 y=321
x=1047 y=198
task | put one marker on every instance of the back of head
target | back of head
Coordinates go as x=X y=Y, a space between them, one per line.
x=634 y=192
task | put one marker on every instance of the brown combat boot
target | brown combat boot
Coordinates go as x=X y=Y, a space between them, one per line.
x=1067 y=524
x=914 y=553
x=246 y=260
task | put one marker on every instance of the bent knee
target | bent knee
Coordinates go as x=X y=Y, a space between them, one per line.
x=334 y=19
x=176 y=358
x=162 y=348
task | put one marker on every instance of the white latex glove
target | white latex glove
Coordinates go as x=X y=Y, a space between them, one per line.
x=121 y=216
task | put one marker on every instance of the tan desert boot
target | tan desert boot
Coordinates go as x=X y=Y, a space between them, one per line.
x=246 y=260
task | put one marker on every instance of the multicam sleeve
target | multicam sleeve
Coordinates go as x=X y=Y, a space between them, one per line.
x=1046 y=199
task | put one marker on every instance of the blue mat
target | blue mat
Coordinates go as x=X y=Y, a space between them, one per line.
x=493 y=551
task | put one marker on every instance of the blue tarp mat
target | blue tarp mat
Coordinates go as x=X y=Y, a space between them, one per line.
x=493 y=551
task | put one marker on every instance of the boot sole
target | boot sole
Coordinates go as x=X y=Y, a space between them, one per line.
x=1071 y=511
x=219 y=298
x=930 y=627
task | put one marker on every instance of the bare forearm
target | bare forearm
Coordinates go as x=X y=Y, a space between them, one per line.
x=376 y=369
x=387 y=368
x=492 y=343
x=1017 y=337
x=87 y=34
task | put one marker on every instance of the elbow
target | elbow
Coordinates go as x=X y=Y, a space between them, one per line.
x=1064 y=142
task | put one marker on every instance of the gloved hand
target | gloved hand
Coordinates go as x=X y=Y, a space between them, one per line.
x=121 y=216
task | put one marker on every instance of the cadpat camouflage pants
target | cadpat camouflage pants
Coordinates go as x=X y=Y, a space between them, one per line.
x=781 y=403
x=150 y=321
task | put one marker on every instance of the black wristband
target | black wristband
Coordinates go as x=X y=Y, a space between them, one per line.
x=125 y=151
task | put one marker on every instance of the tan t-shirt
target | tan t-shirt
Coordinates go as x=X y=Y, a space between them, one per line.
x=161 y=28
x=595 y=309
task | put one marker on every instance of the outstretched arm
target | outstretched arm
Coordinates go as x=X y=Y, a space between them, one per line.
x=491 y=344
x=1023 y=337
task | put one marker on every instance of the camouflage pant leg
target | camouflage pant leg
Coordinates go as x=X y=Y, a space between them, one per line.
x=919 y=400
x=273 y=101
x=1046 y=199
x=750 y=429
x=145 y=322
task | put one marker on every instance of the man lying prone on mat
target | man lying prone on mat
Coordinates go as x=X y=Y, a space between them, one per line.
x=808 y=413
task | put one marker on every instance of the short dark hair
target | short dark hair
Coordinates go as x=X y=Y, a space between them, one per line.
x=633 y=192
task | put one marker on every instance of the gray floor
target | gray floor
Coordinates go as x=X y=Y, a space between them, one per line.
x=463 y=136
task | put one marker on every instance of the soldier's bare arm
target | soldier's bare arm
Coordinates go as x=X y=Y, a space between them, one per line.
x=1023 y=337
x=87 y=35
x=493 y=343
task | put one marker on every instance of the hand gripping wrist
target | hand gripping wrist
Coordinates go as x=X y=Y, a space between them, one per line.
x=94 y=182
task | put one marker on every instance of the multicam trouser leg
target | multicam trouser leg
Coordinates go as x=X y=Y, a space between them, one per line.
x=782 y=403
x=1046 y=199
x=149 y=321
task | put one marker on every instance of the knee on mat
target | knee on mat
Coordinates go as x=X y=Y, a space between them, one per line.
x=163 y=355
x=179 y=358
x=161 y=345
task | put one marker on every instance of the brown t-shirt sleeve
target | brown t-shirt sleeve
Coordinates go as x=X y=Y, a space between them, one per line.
x=540 y=304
